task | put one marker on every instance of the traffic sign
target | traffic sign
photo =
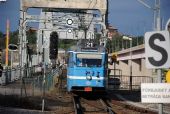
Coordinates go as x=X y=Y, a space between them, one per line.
x=157 y=46
x=155 y=93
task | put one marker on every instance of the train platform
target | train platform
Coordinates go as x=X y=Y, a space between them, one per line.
x=134 y=98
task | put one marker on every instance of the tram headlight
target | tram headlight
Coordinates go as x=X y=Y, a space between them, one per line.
x=89 y=77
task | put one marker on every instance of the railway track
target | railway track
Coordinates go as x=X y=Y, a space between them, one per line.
x=105 y=105
x=63 y=104
x=108 y=108
x=121 y=107
x=77 y=105
x=91 y=106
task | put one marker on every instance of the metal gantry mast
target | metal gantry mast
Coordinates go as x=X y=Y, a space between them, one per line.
x=157 y=27
x=53 y=4
x=156 y=10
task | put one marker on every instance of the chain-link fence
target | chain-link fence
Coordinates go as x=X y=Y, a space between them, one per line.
x=28 y=81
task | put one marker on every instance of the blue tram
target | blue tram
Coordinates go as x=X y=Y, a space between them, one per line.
x=87 y=69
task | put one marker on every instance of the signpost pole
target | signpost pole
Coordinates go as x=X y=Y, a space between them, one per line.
x=160 y=106
x=158 y=28
x=151 y=59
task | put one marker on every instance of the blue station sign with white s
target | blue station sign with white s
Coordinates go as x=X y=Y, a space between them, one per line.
x=157 y=49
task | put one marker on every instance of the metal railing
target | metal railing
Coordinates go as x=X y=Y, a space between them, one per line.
x=118 y=81
x=136 y=81
x=9 y=76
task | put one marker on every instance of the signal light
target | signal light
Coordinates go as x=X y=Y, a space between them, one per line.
x=53 y=45
x=114 y=57
x=69 y=30
x=69 y=21
x=12 y=47
x=168 y=76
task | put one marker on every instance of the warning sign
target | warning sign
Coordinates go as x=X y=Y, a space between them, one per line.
x=155 y=93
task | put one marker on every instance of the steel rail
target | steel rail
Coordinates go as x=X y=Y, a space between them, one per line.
x=77 y=105
x=107 y=107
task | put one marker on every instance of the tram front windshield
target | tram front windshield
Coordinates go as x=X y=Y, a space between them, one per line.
x=89 y=60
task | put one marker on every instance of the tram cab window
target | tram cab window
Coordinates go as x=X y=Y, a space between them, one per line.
x=87 y=60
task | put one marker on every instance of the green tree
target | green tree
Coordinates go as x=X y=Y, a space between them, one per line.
x=2 y=41
x=66 y=43
x=31 y=36
x=140 y=40
x=13 y=37
x=116 y=43
x=1 y=35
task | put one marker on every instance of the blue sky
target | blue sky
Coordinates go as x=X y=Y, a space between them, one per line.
x=131 y=17
x=128 y=16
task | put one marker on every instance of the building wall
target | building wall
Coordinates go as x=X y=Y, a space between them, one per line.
x=138 y=68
